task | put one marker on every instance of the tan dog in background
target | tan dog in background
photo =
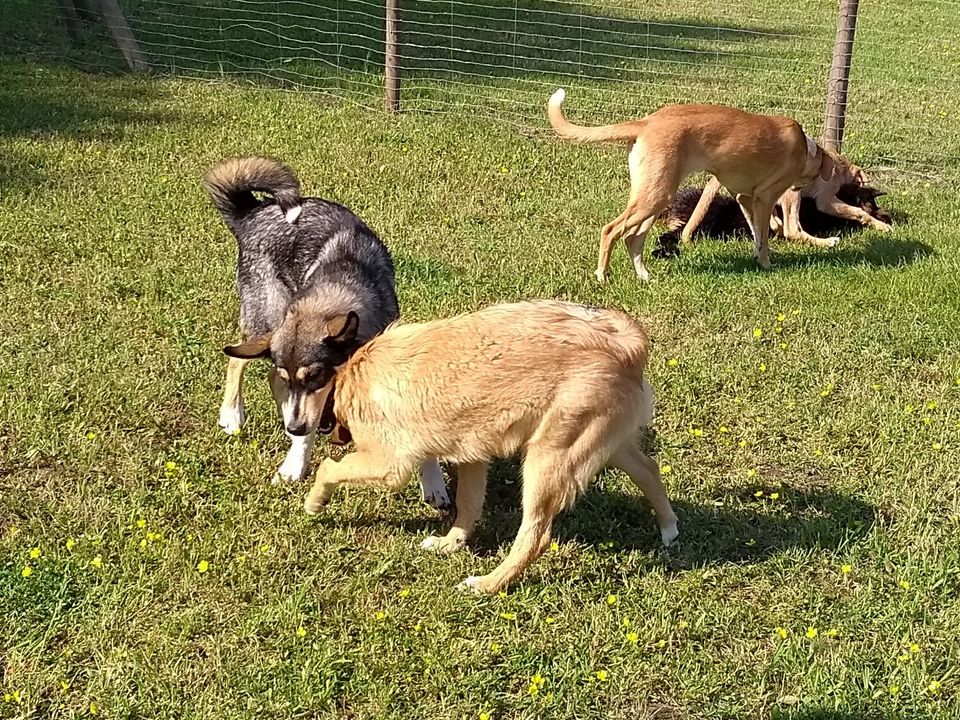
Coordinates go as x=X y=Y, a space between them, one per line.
x=756 y=157
x=822 y=191
x=558 y=382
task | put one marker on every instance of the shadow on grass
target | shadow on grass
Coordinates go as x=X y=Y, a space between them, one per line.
x=883 y=251
x=741 y=530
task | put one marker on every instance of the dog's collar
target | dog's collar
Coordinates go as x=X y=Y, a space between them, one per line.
x=329 y=425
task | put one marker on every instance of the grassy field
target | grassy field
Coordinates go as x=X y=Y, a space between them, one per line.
x=808 y=431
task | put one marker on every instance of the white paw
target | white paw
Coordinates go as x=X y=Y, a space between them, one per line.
x=431 y=543
x=832 y=242
x=433 y=490
x=469 y=585
x=290 y=470
x=600 y=275
x=882 y=226
x=231 y=419
x=669 y=534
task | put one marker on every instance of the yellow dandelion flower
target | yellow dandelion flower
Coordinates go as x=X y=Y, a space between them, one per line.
x=203 y=566
x=27 y=571
x=826 y=390
x=752 y=473
x=380 y=616
x=143 y=544
x=782 y=632
x=550 y=620
x=846 y=569
x=94 y=710
x=64 y=685
x=758 y=332
x=417 y=628
x=665 y=469
x=795 y=311
x=504 y=170
x=625 y=622
x=70 y=543
x=742 y=444
x=758 y=494
x=533 y=689
x=812 y=632
x=301 y=631
x=904 y=584
x=169 y=465
x=877 y=386
x=141 y=523
x=484 y=715
x=763 y=367
x=914 y=648
x=508 y=615
x=931 y=405
x=909 y=409
x=832 y=632
x=554 y=546
x=818 y=452
x=894 y=690
x=784 y=346
x=97 y=562
x=7 y=697
x=612 y=599
x=34 y=553
x=502 y=594
x=661 y=644
x=774 y=496
x=903 y=658
x=241 y=559
x=537 y=680
x=601 y=675
x=632 y=637
x=683 y=624
x=934 y=687
x=404 y=593
x=18 y=696
x=696 y=432
x=91 y=435
x=937 y=446
x=494 y=647
x=673 y=362
x=264 y=548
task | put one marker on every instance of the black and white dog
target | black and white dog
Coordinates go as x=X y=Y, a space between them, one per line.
x=315 y=283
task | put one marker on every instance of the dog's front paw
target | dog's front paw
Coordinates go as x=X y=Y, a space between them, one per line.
x=444 y=545
x=293 y=469
x=881 y=226
x=600 y=275
x=231 y=419
x=433 y=490
x=832 y=242
x=478 y=585
x=669 y=533
x=317 y=498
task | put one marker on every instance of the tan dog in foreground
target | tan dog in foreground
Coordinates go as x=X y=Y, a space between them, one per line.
x=822 y=192
x=558 y=382
x=756 y=157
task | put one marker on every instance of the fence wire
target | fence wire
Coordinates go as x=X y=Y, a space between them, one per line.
x=619 y=59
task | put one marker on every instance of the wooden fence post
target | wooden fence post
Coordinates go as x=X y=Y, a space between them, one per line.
x=123 y=35
x=391 y=71
x=832 y=137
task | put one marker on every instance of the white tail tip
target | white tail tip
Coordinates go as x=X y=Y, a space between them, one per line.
x=558 y=96
x=294 y=213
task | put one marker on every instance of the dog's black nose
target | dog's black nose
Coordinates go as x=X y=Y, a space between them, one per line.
x=299 y=428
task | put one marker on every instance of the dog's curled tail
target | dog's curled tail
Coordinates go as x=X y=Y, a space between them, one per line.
x=579 y=133
x=231 y=185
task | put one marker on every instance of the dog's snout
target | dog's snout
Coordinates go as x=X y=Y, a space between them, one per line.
x=297 y=428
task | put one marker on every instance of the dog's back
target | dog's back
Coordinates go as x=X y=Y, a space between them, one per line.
x=489 y=383
x=290 y=246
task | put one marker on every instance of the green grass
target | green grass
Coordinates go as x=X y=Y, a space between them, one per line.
x=117 y=295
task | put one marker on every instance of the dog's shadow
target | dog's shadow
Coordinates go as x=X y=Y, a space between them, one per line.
x=739 y=528
x=879 y=251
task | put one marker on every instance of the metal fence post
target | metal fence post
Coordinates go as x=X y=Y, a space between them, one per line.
x=391 y=71
x=839 y=76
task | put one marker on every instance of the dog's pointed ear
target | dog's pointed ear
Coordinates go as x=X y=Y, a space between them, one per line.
x=258 y=347
x=342 y=329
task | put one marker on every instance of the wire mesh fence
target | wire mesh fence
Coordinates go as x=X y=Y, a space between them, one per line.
x=501 y=59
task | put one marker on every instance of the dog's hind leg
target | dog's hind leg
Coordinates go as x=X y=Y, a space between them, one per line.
x=433 y=490
x=710 y=191
x=645 y=474
x=231 y=409
x=297 y=461
x=471 y=489
x=635 y=247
